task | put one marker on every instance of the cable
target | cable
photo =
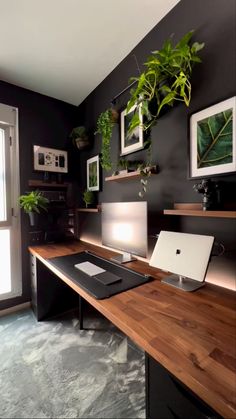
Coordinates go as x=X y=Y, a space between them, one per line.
x=221 y=249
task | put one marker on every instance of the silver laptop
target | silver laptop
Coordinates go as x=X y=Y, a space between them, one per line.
x=185 y=255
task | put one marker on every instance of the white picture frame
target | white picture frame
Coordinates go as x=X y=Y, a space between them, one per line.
x=213 y=140
x=133 y=142
x=50 y=159
x=93 y=180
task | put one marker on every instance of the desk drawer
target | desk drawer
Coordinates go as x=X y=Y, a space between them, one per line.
x=168 y=398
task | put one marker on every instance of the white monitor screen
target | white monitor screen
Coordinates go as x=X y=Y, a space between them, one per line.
x=124 y=226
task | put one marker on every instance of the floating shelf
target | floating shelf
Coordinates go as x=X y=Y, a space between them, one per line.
x=98 y=209
x=40 y=184
x=195 y=210
x=130 y=175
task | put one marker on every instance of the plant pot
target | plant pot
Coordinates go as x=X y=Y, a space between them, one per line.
x=82 y=142
x=92 y=205
x=114 y=115
x=123 y=171
x=33 y=217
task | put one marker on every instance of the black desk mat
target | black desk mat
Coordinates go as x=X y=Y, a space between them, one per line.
x=129 y=279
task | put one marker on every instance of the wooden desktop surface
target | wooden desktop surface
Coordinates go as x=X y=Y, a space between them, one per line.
x=193 y=335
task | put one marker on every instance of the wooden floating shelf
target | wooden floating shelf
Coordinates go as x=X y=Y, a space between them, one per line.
x=195 y=210
x=130 y=175
x=40 y=183
x=98 y=209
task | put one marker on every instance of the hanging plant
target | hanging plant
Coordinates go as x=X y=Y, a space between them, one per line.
x=166 y=80
x=105 y=124
x=80 y=138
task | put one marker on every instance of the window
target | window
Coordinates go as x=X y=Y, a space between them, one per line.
x=10 y=258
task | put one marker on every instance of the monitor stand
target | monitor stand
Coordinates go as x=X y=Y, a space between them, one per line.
x=123 y=258
x=183 y=283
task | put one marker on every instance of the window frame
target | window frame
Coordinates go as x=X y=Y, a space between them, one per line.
x=9 y=122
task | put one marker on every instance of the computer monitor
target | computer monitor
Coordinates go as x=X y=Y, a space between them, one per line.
x=124 y=227
x=185 y=255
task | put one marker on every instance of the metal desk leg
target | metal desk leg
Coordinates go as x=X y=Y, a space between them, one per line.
x=81 y=314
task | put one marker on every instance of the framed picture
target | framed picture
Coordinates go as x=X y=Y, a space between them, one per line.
x=93 y=174
x=213 y=140
x=50 y=159
x=133 y=142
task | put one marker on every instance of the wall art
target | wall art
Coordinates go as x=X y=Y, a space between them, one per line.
x=134 y=141
x=93 y=183
x=50 y=159
x=213 y=141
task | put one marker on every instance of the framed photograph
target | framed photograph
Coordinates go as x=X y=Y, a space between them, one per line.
x=93 y=174
x=50 y=159
x=133 y=142
x=213 y=140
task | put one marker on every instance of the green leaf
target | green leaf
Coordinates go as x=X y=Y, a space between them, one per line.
x=134 y=123
x=145 y=110
x=196 y=59
x=168 y=100
x=214 y=139
x=185 y=39
x=197 y=47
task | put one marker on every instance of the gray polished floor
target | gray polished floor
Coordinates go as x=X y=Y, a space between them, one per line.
x=52 y=369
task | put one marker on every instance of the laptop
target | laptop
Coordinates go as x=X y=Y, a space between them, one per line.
x=185 y=255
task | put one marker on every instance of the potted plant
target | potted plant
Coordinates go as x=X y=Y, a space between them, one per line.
x=32 y=203
x=80 y=138
x=123 y=166
x=105 y=123
x=88 y=197
x=165 y=80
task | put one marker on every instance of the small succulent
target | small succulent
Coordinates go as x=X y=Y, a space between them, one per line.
x=88 y=197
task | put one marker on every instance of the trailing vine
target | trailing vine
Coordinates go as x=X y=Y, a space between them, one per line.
x=105 y=123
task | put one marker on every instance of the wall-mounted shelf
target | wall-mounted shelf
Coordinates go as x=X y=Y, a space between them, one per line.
x=98 y=209
x=130 y=175
x=195 y=210
x=41 y=184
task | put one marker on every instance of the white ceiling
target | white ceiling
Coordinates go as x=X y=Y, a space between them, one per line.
x=65 y=48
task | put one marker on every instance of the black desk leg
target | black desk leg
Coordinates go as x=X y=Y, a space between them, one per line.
x=81 y=314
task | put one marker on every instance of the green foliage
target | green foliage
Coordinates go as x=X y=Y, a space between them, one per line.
x=78 y=132
x=123 y=164
x=214 y=139
x=93 y=180
x=105 y=125
x=33 y=202
x=165 y=80
x=145 y=174
x=88 y=197
x=80 y=138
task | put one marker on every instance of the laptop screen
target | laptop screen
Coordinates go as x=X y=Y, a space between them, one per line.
x=182 y=254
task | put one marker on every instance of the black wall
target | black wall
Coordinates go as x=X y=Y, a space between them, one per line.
x=212 y=81
x=43 y=121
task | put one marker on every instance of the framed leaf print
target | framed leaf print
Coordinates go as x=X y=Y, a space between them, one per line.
x=131 y=142
x=213 y=140
x=93 y=174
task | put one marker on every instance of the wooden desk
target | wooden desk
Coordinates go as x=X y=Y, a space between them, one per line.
x=192 y=335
